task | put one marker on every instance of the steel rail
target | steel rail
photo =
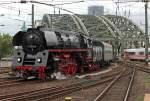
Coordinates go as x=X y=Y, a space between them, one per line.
x=101 y=95
x=17 y=82
x=8 y=81
x=141 y=68
x=129 y=86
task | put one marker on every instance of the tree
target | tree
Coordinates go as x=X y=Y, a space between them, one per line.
x=6 y=47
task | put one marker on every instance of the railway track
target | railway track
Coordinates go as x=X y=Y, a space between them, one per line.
x=2 y=82
x=129 y=86
x=30 y=95
x=138 y=65
x=55 y=92
x=108 y=90
x=17 y=82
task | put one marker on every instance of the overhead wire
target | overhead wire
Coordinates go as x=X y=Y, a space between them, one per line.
x=2 y=5
x=117 y=7
x=17 y=9
x=12 y=18
x=23 y=11
x=13 y=8
x=129 y=1
x=56 y=6
x=68 y=3
x=48 y=4
x=27 y=12
x=41 y=9
x=52 y=5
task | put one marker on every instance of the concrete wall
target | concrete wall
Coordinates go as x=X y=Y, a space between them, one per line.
x=5 y=62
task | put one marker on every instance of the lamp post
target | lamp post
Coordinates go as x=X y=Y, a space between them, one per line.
x=32 y=15
x=146 y=32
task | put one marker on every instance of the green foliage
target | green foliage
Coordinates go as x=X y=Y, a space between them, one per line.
x=6 y=47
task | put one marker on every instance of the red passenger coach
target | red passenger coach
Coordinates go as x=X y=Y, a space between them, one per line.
x=136 y=54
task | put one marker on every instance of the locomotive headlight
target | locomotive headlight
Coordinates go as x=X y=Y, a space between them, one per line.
x=56 y=59
x=19 y=59
x=31 y=37
x=39 y=60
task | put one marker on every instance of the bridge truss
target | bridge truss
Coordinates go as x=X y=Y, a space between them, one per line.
x=119 y=31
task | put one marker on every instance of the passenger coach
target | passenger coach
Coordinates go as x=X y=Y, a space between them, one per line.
x=136 y=54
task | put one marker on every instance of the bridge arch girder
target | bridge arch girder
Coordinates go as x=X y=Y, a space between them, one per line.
x=126 y=26
x=101 y=27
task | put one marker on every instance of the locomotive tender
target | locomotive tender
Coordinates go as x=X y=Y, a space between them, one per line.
x=40 y=52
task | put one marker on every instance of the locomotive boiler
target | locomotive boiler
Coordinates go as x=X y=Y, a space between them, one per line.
x=41 y=52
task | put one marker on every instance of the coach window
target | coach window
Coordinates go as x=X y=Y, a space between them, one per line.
x=94 y=53
x=141 y=53
x=148 y=53
x=131 y=53
x=100 y=53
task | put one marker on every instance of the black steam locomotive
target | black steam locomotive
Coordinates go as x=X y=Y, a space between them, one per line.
x=42 y=52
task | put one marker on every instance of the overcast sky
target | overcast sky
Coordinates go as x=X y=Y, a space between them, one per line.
x=12 y=15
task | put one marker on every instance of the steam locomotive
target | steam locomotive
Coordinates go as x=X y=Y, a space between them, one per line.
x=41 y=52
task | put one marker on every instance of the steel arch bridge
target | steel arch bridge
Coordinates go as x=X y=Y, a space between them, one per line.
x=117 y=30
